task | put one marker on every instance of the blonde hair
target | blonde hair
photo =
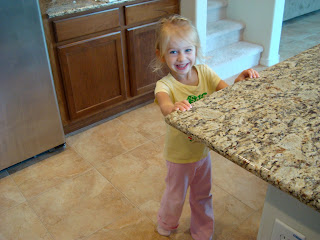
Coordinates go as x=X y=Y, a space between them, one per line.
x=174 y=26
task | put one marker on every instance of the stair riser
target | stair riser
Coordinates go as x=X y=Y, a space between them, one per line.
x=216 y=14
x=235 y=66
x=230 y=55
x=216 y=42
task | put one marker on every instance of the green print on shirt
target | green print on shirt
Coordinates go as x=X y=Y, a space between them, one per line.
x=192 y=98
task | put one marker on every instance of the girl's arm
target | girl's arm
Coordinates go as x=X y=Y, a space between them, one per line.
x=167 y=106
x=249 y=73
x=222 y=84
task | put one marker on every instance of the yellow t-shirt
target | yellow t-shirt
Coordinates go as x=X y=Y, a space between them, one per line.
x=178 y=147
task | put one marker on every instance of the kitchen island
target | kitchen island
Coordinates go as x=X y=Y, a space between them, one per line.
x=271 y=127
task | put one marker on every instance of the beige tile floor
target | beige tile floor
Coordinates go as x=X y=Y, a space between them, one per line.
x=108 y=181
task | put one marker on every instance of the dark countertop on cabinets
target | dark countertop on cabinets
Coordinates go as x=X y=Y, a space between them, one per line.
x=57 y=8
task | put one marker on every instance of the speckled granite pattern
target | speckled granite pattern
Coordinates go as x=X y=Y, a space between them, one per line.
x=57 y=8
x=270 y=126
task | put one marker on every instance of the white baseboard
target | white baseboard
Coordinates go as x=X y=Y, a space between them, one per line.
x=269 y=61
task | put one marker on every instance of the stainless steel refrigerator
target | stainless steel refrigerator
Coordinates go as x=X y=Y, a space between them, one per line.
x=30 y=123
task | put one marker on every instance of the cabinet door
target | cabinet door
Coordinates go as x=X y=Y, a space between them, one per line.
x=141 y=51
x=93 y=74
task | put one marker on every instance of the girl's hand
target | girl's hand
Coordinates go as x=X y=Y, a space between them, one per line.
x=249 y=73
x=182 y=106
x=167 y=106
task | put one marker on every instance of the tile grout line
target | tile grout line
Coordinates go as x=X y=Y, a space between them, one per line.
x=236 y=227
x=25 y=200
x=67 y=180
x=235 y=196
x=125 y=196
x=32 y=209
x=30 y=199
x=125 y=152
x=89 y=235
x=122 y=193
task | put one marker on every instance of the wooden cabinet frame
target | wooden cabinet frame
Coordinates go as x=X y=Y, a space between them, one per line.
x=122 y=38
x=90 y=88
x=141 y=53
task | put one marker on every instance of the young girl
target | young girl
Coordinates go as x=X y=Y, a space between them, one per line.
x=188 y=162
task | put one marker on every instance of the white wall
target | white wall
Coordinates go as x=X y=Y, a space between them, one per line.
x=263 y=19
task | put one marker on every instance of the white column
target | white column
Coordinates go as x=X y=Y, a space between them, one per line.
x=196 y=11
x=263 y=20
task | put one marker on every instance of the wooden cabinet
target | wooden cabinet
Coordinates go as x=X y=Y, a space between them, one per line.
x=150 y=10
x=141 y=42
x=101 y=60
x=86 y=24
x=93 y=74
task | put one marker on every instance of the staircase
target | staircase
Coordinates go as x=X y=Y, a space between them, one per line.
x=226 y=52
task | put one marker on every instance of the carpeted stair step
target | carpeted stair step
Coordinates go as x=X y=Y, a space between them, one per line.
x=216 y=10
x=232 y=59
x=222 y=33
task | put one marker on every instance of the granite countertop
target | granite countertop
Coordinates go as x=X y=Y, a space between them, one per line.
x=57 y=8
x=270 y=126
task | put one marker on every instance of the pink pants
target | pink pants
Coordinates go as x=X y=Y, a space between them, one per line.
x=179 y=177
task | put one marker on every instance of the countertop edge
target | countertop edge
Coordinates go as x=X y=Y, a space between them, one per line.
x=257 y=170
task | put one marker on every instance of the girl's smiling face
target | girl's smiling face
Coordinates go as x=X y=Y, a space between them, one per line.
x=180 y=57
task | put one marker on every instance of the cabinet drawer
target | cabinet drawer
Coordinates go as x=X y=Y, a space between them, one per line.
x=87 y=24
x=150 y=10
